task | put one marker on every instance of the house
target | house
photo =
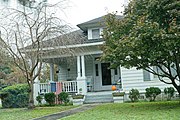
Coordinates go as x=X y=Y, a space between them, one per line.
x=79 y=67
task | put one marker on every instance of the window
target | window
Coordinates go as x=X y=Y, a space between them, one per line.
x=116 y=71
x=159 y=71
x=97 y=71
x=95 y=33
x=146 y=75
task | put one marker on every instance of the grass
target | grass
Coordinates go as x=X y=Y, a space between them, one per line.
x=131 y=111
x=25 y=114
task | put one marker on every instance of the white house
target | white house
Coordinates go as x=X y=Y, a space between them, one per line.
x=81 y=71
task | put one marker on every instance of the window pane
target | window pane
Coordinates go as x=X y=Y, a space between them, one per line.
x=97 y=71
x=115 y=71
x=95 y=34
x=146 y=75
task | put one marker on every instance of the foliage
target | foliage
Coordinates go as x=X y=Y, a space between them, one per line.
x=152 y=93
x=39 y=98
x=27 y=31
x=134 y=95
x=63 y=96
x=169 y=92
x=50 y=98
x=44 y=75
x=148 y=35
x=117 y=94
x=78 y=96
x=15 y=96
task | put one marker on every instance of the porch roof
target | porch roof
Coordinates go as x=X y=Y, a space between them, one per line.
x=74 y=39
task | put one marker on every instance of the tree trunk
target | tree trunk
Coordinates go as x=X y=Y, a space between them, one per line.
x=176 y=86
x=31 y=97
x=178 y=90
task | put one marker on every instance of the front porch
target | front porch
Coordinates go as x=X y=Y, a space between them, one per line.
x=83 y=74
x=86 y=71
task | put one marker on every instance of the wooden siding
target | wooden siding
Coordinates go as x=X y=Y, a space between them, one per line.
x=132 y=78
x=64 y=74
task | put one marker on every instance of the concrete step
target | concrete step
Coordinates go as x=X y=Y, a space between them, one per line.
x=98 y=99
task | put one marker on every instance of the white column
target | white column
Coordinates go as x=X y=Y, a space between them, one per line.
x=51 y=72
x=59 y=68
x=78 y=67
x=83 y=67
x=81 y=80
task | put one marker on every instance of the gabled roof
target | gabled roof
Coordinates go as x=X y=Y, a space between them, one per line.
x=97 y=22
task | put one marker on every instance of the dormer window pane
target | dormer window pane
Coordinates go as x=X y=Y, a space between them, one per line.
x=95 y=34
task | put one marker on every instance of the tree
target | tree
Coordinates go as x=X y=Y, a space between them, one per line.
x=147 y=38
x=27 y=33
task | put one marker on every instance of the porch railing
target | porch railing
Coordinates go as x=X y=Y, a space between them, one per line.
x=66 y=86
x=44 y=88
x=69 y=86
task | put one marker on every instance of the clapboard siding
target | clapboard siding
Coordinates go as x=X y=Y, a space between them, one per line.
x=132 y=78
x=89 y=66
x=64 y=74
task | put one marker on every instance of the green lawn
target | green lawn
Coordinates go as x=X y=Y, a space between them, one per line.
x=131 y=111
x=25 y=114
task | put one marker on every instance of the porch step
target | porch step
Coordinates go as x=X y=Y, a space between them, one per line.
x=107 y=98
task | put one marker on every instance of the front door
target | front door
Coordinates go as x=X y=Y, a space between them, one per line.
x=106 y=74
x=103 y=76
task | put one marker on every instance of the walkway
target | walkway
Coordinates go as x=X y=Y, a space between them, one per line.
x=67 y=112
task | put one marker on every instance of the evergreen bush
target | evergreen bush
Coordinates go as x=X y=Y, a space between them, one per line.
x=152 y=93
x=63 y=96
x=169 y=91
x=50 y=98
x=134 y=95
x=15 y=96
x=39 y=98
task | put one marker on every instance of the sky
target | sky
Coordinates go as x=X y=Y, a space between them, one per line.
x=80 y=11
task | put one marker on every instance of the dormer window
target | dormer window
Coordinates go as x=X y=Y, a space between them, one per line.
x=95 y=33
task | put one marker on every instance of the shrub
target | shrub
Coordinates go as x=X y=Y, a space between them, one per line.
x=63 y=96
x=50 y=98
x=39 y=99
x=152 y=93
x=15 y=96
x=169 y=92
x=78 y=96
x=134 y=95
x=118 y=94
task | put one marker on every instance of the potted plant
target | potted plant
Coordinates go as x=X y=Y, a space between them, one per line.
x=118 y=97
x=78 y=99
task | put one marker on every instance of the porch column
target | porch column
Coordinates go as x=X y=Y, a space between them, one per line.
x=81 y=78
x=83 y=67
x=51 y=72
x=78 y=67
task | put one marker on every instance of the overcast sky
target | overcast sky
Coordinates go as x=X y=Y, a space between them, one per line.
x=84 y=10
x=79 y=11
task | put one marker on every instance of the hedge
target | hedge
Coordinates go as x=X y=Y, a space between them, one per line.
x=15 y=96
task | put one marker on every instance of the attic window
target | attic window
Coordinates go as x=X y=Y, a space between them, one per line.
x=95 y=33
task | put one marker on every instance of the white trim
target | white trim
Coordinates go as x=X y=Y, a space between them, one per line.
x=51 y=72
x=83 y=67
x=68 y=46
x=68 y=55
x=78 y=67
